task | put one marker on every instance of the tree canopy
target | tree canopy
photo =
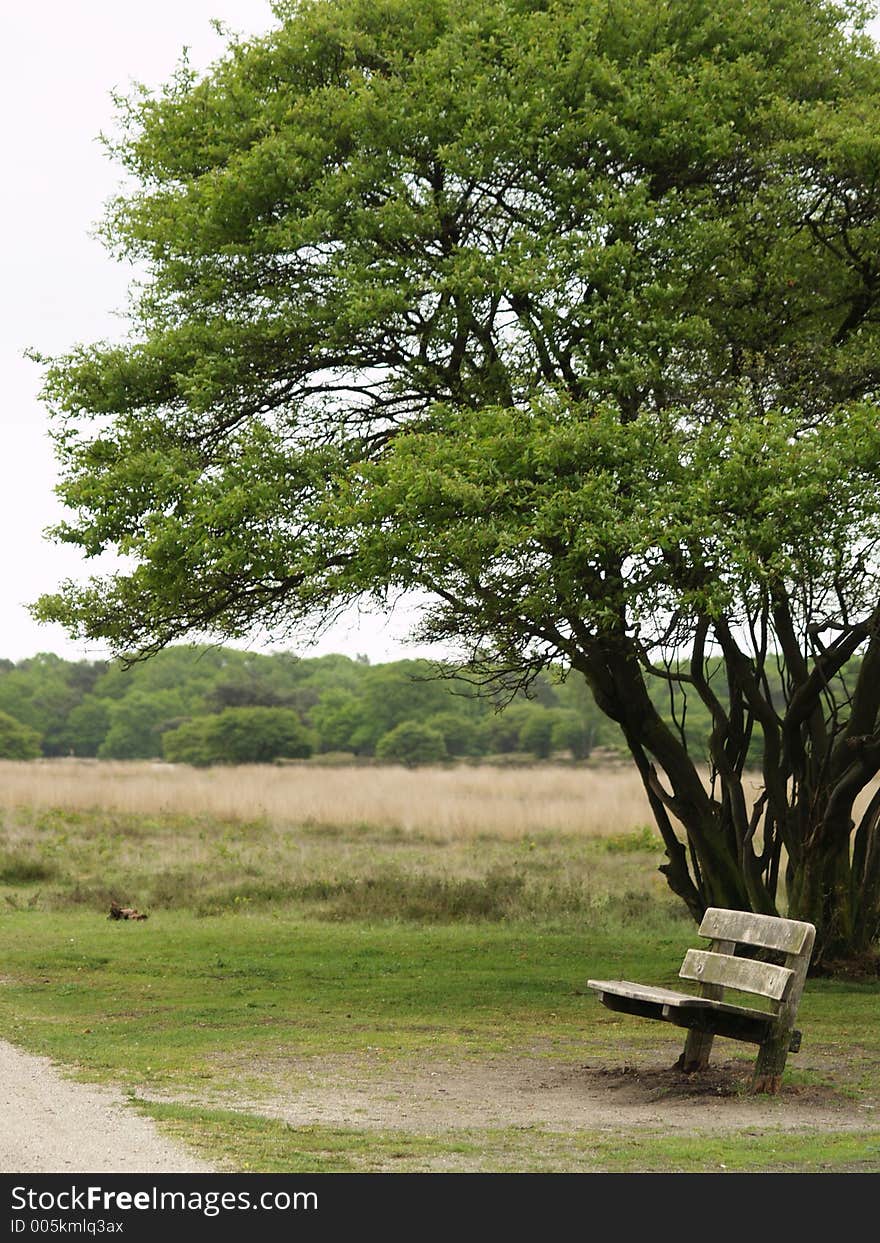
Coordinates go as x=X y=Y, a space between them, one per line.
x=562 y=312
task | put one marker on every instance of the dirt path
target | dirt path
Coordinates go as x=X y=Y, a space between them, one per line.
x=51 y=1125
x=425 y=1096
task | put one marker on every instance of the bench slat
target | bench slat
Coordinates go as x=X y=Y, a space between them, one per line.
x=641 y=992
x=669 y=999
x=787 y=935
x=741 y=973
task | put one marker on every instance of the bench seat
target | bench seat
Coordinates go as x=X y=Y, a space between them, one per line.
x=667 y=997
x=684 y=1009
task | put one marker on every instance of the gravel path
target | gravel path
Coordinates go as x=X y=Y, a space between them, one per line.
x=51 y=1125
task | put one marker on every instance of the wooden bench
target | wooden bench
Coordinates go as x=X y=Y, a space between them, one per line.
x=707 y=1014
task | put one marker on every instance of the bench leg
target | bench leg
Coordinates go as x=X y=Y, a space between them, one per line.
x=770 y=1062
x=697 y=1048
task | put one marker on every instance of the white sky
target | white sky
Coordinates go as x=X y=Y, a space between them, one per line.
x=60 y=61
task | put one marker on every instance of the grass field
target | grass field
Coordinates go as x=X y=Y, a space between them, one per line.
x=330 y=952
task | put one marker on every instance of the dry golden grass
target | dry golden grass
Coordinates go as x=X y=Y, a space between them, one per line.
x=444 y=802
x=348 y=842
x=355 y=841
x=460 y=802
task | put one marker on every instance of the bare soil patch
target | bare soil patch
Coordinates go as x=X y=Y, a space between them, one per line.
x=422 y=1096
x=53 y=1125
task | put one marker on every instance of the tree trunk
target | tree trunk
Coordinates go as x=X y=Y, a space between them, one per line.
x=821 y=891
x=735 y=848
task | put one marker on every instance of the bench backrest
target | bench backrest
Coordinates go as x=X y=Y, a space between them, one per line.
x=718 y=968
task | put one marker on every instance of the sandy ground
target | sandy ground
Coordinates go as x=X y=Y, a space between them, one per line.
x=51 y=1125
x=431 y=1096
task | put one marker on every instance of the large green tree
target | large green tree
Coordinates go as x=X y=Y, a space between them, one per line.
x=562 y=312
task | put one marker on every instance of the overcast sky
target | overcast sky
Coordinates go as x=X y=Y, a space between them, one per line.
x=61 y=60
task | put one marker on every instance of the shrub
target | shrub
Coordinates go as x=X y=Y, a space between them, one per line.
x=570 y=732
x=462 y=735
x=504 y=728
x=535 y=733
x=412 y=743
x=239 y=736
x=18 y=868
x=17 y=741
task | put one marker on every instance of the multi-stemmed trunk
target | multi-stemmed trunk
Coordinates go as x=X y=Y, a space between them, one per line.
x=788 y=838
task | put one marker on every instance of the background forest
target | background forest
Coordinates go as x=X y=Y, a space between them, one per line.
x=209 y=705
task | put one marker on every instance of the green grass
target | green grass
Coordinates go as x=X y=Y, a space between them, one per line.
x=272 y=959
x=271 y=1146
x=169 y=997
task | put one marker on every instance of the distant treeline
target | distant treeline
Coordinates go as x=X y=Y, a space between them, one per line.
x=208 y=705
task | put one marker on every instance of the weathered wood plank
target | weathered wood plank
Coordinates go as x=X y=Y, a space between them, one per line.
x=741 y=973
x=631 y=1005
x=789 y=936
x=666 y=997
x=642 y=992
